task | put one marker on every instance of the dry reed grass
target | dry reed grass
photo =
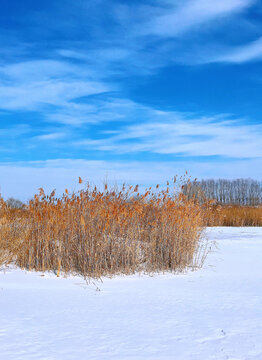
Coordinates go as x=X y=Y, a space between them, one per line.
x=96 y=233
x=233 y=215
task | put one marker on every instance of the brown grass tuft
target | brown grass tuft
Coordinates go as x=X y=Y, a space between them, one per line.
x=234 y=215
x=96 y=233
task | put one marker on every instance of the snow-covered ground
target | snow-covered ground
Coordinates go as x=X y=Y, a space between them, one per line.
x=213 y=313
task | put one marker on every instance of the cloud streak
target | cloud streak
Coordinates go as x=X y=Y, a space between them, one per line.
x=193 y=13
x=242 y=54
x=177 y=134
x=35 y=84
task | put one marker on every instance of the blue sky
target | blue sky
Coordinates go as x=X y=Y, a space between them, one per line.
x=133 y=91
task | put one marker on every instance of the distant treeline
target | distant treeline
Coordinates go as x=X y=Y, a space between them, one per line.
x=226 y=192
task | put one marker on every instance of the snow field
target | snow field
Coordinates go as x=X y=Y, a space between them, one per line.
x=213 y=313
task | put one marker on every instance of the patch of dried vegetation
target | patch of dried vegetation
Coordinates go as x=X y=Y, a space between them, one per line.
x=105 y=232
x=234 y=215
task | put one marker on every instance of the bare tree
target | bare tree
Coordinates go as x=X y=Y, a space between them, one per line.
x=15 y=203
x=234 y=192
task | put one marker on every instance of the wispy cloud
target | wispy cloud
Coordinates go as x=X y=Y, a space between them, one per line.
x=34 y=84
x=223 y=53
x=240 y=54
x=191 y=14
x=140 y=129
x=98 y=110
x=177 y=134
x=139 y=46
x=51 y=136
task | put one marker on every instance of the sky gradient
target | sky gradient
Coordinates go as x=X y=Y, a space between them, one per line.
x=128 y=91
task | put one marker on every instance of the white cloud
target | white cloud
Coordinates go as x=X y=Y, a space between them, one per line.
x=36 y=70
x=50 y=136
x=180 y=134
x=162 y=35
x=214 y=53
x=37 y=94
x=105 y=54
x=241 y=54
x=109 y=109
x=193 y=13
x=149 y=37
x=31 y=85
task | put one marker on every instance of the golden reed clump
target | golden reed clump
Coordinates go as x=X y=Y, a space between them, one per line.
x=234 y=215
x=98 y=233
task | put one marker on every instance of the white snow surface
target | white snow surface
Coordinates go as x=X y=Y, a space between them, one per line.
x=212 y=313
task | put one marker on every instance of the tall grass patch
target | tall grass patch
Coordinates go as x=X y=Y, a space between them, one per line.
x=105 y=232
x=233 y=215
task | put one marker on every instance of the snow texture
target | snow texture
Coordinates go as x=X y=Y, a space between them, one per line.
x=213 y=313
